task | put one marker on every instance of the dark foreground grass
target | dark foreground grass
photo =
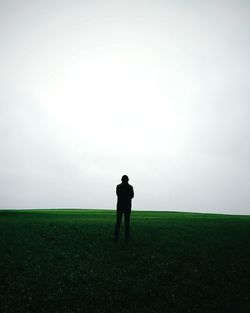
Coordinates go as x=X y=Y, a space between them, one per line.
x=66 y=261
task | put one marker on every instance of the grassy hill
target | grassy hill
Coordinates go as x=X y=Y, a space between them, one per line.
x=66 y=261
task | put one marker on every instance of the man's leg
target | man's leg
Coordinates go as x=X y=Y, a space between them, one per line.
x=127 y=220
x=118 y=224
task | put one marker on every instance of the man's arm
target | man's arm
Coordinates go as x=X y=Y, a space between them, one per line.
x=132 y=192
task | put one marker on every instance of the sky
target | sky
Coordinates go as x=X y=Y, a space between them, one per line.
x=158 y=90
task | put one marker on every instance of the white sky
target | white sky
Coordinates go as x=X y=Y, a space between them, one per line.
x=157 y=90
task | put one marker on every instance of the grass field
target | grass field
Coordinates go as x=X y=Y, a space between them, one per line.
x=66 y=261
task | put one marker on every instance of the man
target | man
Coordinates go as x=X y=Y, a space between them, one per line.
x=125 y=193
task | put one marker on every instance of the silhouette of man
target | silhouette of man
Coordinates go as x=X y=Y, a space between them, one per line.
x=125 y=193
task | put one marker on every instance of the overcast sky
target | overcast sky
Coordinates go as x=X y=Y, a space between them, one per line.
x=158 y=90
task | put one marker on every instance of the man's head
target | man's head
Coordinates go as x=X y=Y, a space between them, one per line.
x=125 y=179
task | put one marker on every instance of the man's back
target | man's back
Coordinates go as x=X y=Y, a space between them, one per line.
x=125 y=193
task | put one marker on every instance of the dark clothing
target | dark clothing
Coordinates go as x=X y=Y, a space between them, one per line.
x=125 y=193
x=119 y=214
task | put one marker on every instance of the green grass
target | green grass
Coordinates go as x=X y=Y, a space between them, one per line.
x=66 y=261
